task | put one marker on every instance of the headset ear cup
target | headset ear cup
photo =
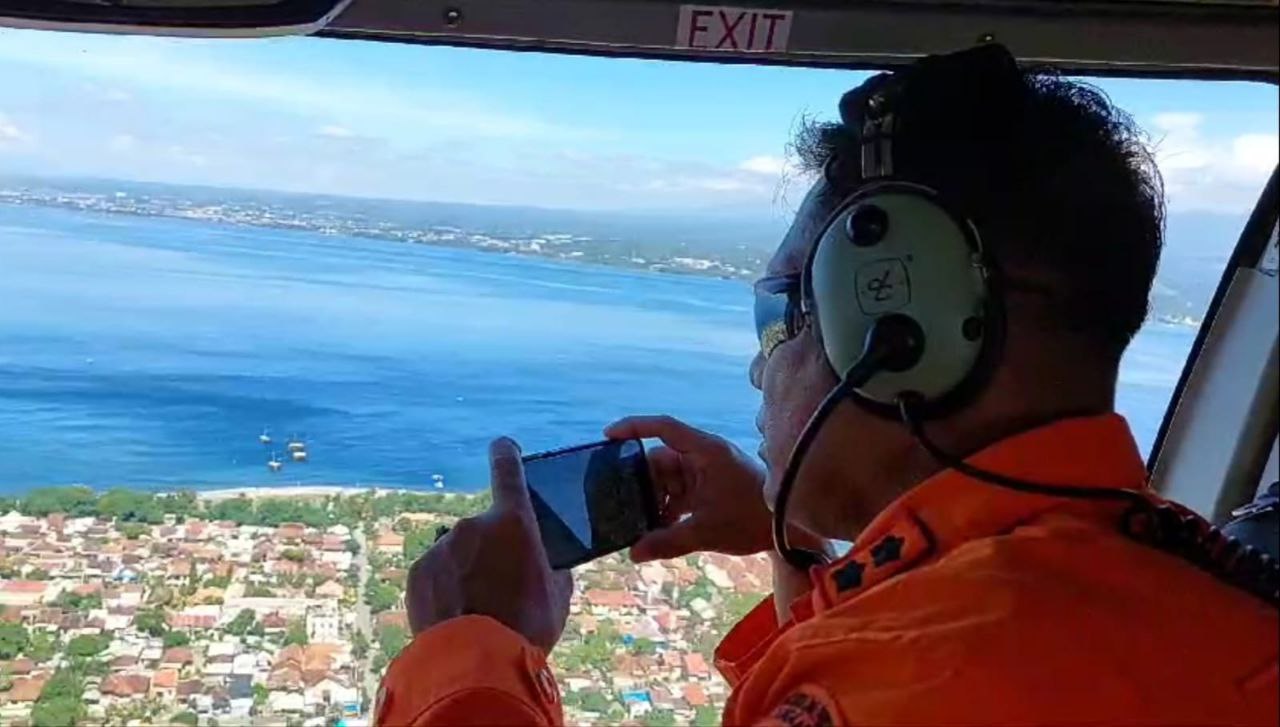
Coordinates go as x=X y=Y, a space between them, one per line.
x=895 y=249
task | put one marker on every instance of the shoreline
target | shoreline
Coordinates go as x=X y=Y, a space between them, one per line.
x=311 y=491
x=263 y=492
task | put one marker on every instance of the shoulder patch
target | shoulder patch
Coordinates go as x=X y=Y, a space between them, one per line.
x=808 y=706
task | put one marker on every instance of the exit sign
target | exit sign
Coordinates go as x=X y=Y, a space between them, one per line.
x=713 y=27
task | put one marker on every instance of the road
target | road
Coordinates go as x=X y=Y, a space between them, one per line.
x=364 y=619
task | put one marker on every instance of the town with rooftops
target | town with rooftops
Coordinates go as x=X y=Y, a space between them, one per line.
x=270 y=607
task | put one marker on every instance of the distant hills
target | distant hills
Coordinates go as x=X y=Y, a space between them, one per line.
x=722 y=244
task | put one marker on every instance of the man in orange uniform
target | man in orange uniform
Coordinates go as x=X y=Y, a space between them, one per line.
x=960 y=602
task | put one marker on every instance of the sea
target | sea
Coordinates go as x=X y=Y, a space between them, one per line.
x=153 y=353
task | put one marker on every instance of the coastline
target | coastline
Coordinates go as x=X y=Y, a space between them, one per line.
x=265 y=492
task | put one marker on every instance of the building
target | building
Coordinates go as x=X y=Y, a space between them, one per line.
x=324 y=626
x=389 y=543
x=24 y=593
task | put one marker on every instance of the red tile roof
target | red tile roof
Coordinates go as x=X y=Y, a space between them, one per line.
x=694 y=695
x=125 y=685
x=23 y=586
x=611 y=599
x=696 y=665
x=27 y=689
x=177 y=655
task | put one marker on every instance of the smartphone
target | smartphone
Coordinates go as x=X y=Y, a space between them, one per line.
x=590 y=500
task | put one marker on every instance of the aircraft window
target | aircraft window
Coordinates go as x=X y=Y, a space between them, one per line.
x=324 y=264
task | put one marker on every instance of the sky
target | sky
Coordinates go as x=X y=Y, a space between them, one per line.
x=463 y=125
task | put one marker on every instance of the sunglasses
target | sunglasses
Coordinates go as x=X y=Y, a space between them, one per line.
x=779 y=316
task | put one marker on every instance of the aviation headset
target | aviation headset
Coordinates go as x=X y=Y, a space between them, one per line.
x=909 y=309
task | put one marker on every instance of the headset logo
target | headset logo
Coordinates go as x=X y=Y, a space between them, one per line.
x=883 y=286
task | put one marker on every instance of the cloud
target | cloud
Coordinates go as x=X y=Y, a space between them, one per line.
x=10 y=134
x=764 y=164
x=121 y=143
x=187 y=66
x=333 y=131
x=1207 y=173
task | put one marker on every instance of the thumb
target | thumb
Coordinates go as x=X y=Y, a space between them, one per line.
x=672 y=541
x=506 y=473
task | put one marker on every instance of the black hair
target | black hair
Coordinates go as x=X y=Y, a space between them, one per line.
x=1065 y=194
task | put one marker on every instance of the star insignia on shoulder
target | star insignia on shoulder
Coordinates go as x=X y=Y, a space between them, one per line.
x=849 y=575
x=887 y=550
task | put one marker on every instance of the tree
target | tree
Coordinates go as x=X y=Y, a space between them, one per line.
x=70 y=601
x=63 y=683
x=359 y=644
x=380 y=596
x=644 y=647
x=43 y=647
x=352 y=545
x=14 y=640
x=88 y=645
x=296 y=633
x=217 y=582
x=89 y=667
x=37 y=574
x=130 y=506
x=132 y=531
x=242 y=623
x=392 y=638
x=297 y=555
x=187 y=718
x=176 y=638
x=736 y=606
x=260 y=694
x=706 y=716
x=181 y=504
x=61 y=712
x=416 y=542
x=594 y=701
x=702 y=588
x=59 y=702
x=660 y=718
x=151 y=622
x=238 y=510
x=74 y=501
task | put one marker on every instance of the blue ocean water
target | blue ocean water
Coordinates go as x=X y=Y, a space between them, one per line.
x=152 y=352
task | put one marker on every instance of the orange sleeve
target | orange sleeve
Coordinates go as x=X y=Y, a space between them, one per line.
x=469 y=670
x=749 y=639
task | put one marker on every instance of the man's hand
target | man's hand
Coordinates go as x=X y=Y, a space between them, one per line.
x=704 y=477
x=493 y=565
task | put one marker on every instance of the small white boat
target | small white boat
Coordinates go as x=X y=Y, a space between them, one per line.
x=438 y=481
x=299 y=455
x=274 y=464
x=265 y=437
x=296 y=445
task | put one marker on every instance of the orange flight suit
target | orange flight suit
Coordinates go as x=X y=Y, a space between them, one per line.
x=962 y=603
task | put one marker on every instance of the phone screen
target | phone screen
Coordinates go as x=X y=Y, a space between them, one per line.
x=590 y=500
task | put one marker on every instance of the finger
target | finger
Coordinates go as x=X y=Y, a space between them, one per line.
x=667 y=477
x=673 y=432
x=669 y=542
x=507 y=478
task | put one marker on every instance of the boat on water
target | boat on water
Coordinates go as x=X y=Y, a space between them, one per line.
x=296 y=445
x=299 y=455
x=437 y=481
x=274 y=464
x=265 y=437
